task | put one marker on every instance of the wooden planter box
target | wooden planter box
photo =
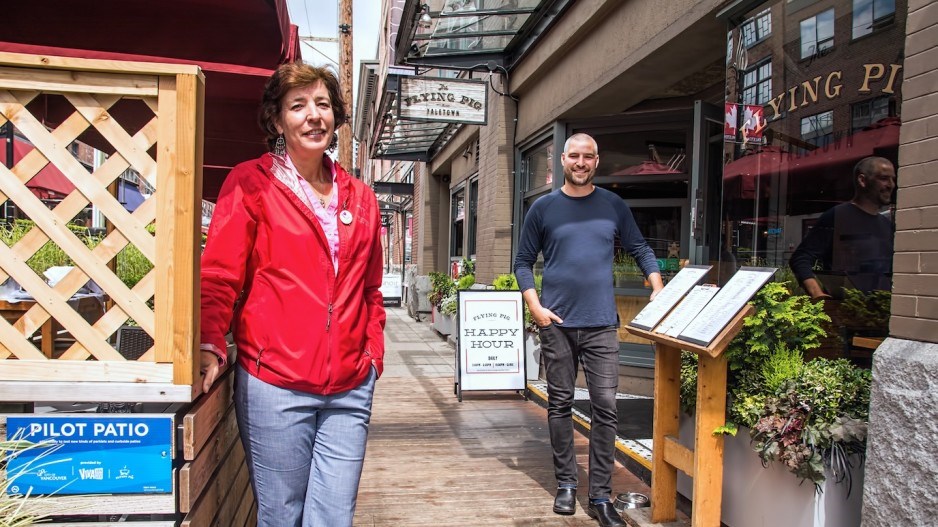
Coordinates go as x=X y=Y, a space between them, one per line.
x=772 y=496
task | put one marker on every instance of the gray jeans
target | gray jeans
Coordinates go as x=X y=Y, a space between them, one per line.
x=597 y=349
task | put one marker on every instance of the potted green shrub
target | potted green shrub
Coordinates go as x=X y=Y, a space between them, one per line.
x=441 y=288
x=798 y=421
x=532 y=343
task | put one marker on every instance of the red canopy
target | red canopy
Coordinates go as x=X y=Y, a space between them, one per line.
x=835 y=160
x=237 y=43
x=48 y=182
x=646 y=168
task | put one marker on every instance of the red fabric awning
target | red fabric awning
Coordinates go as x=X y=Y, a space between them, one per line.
x=49 y=182
x=835 y=160
x=237 y=43
x=646 y=168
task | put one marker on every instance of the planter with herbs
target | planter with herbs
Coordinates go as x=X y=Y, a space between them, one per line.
x=796 y=458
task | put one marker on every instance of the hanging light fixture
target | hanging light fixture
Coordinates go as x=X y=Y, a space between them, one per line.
x=425 y=19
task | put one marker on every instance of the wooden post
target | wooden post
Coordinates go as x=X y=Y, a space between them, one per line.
x=708 y=447
x=667 y=420
x=345 y=80
x=178 y=197
x=705 y=462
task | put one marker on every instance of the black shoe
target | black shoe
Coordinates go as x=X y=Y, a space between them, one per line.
x=565 y=502
x=605 y=514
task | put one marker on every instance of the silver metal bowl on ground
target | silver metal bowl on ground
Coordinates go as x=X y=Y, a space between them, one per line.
x=631 y=500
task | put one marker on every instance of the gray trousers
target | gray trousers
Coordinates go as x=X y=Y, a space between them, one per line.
x=597 y=349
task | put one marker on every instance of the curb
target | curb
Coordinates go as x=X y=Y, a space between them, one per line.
x=632 y=460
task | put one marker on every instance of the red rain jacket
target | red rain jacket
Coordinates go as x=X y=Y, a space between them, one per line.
x=297 y=323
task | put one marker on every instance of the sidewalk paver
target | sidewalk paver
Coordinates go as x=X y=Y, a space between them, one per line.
x=432 y=460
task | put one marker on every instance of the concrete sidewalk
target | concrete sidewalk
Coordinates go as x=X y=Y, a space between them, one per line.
x=435 y=461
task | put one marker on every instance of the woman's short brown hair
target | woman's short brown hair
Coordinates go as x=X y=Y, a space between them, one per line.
x=297 y=75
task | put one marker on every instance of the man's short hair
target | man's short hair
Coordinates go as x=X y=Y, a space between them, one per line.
x=866 y=166
x=580 y=137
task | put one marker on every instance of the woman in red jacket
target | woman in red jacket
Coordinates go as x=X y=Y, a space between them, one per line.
x=293 y=267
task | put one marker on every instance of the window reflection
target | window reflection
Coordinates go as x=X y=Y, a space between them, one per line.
x=792 y=195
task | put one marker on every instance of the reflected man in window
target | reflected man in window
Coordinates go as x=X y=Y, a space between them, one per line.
x=852 y=243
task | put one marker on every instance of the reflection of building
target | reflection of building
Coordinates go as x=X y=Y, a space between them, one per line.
x=651 y=80
x=829 y=77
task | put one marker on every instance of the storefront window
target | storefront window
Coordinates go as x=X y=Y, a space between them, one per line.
x=473 y=215
x=796 y=195
x=538 y=166
x=458 y=212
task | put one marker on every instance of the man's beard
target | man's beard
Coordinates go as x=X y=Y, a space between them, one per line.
x=576 y=180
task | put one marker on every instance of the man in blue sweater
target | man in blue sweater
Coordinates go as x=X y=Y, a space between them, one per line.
x=575 y=228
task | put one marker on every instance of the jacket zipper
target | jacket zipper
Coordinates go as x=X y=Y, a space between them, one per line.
x=258 y=361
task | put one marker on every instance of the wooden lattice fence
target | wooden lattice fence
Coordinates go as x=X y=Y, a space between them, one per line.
x=150 y=115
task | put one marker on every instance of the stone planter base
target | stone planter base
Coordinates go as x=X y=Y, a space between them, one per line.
x=443 y=324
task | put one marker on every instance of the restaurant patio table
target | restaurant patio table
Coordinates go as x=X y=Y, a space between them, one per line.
x=85 y=305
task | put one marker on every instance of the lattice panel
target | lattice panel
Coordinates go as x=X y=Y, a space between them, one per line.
x=28 y=335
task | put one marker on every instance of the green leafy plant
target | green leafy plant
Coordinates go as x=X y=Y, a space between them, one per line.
x=440 y=286
x=816 y=420
x=465 y=282
x=869 y=311
x=132 y=265
x=806 y=415
x=466 y=267
x=505 y=282
x=508 y=282
x=449 y=304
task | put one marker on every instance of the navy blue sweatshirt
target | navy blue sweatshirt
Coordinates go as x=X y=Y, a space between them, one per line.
x=577 y=237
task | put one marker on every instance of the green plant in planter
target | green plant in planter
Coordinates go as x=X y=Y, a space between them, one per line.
x=465 y=282
x=449 y=304
x=467 y=267
x=508 y=282
x=806 y=415
x=816 y=420
x=867 y=311
x=440 y=286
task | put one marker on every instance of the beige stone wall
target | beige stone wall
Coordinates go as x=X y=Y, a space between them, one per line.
x=915 y=280
x=493 y=243
x=596 y=42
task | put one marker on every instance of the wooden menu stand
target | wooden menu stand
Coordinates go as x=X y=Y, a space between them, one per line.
x=705 y=462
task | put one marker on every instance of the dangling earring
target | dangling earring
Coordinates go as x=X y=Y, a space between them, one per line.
x=334 y=143
x=280 y=146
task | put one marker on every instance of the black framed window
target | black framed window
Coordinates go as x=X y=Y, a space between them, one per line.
x=871 y=111
x=817 y=34
x=458 y=215
x=818 y=129
x=757 y=83
x=473 y=216
x=757 y=28
x=870 y=15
